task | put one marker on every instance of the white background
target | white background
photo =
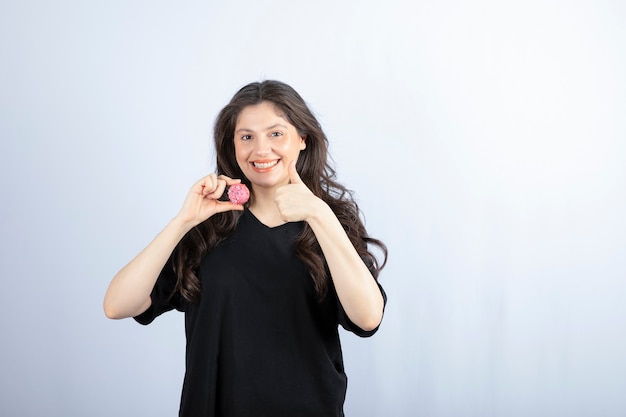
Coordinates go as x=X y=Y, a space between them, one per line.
x=485 y=141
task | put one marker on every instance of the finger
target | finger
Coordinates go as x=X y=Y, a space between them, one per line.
x=219 y=189
x=210 y=184
x=223 y=206
x=229 y=180
x=199 y=185
x=294 y=178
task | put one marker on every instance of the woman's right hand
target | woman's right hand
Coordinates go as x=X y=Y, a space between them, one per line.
x=202 y=201
x=129 y=292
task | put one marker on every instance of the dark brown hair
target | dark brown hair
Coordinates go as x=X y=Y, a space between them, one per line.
x=314 y=169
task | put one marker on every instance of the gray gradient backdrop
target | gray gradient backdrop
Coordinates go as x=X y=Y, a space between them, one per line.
x=503 y=121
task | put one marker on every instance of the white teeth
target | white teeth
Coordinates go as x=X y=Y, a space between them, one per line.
x=264 y=165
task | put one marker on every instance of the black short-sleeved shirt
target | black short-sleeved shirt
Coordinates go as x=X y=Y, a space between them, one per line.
x=259 y=343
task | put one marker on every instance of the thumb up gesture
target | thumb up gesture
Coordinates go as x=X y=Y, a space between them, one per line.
x=295 y=201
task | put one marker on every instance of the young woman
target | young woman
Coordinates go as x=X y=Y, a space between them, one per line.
x=263 y=285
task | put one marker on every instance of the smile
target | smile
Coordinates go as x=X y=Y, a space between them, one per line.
x=264 y=165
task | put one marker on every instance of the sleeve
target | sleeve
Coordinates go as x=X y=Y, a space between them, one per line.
x=343 y=318
x=347 y=324
x=164 y=297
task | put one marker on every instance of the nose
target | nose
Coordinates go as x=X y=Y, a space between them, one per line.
x=262 y=147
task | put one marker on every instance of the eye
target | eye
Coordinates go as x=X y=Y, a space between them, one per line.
x=246 y=137
x=276 y=134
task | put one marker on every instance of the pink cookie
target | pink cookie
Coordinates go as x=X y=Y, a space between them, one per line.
x=238 y=193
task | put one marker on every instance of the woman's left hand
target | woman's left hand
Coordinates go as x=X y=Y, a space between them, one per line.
x=295 y=201
x=357 y=290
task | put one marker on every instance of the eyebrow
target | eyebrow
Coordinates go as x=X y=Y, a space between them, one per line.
x=274 y=126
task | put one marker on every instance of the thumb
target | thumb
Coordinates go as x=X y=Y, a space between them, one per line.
x=294 y=178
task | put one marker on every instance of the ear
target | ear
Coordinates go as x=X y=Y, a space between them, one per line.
x=302 y=142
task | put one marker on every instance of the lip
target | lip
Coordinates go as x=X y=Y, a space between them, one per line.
x=264 y=161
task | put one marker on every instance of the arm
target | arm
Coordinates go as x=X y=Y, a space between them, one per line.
x=356 y=288
x=128 y=294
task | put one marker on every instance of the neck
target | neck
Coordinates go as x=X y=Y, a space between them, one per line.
x=264 y=208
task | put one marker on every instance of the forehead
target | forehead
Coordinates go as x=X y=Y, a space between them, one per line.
x=259 y=115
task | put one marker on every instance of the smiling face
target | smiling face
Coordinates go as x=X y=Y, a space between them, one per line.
x=265 y=144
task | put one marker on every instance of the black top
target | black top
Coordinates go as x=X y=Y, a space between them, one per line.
x=259 y=343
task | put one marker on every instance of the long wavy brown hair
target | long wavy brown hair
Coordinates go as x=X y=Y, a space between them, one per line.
x=316 y=172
